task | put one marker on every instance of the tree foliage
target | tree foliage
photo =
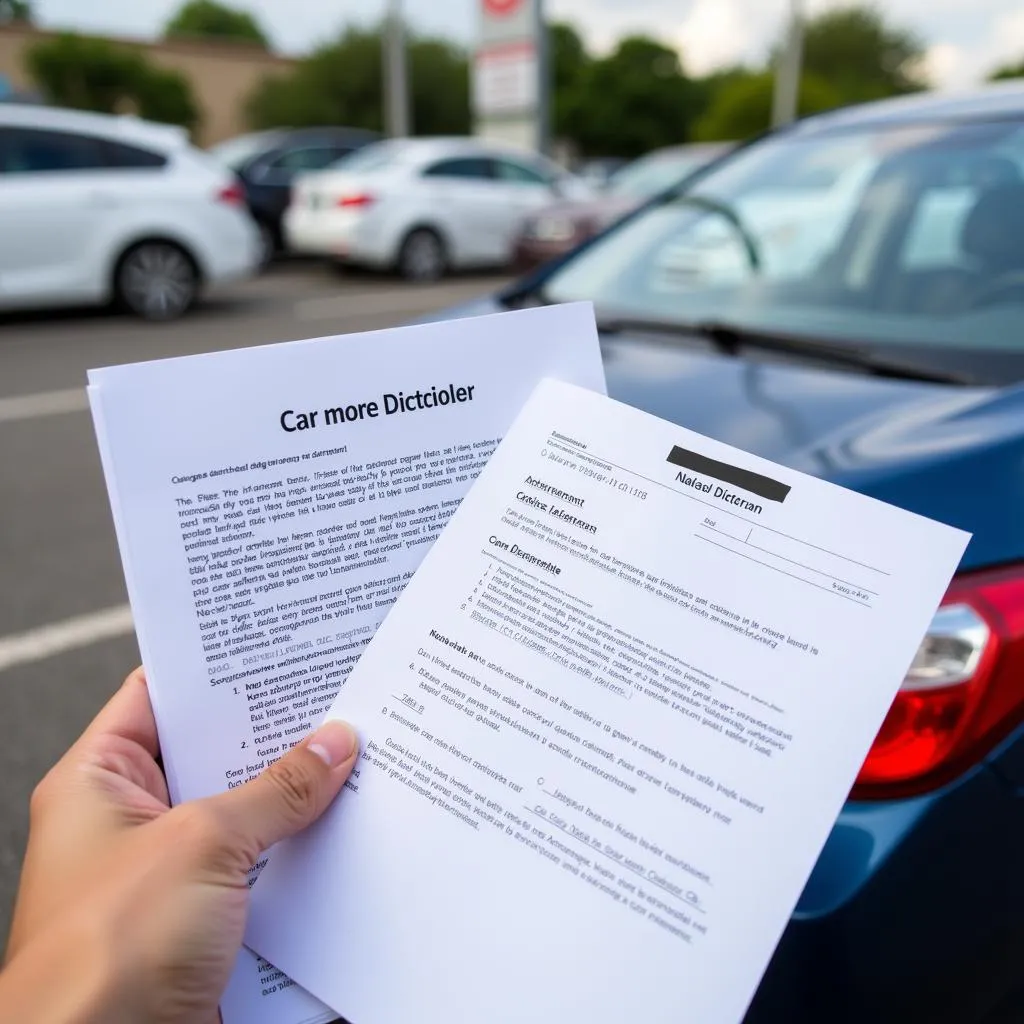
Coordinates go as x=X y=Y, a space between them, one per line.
x=15 y=11
x=93 y=74
x=342 y=84
x=860 y=56
x=207 y=19
x=634 y=100
x=742 y=106
x=1007 y=71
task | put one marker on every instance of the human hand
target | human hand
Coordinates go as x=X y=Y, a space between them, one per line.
x=129 y=910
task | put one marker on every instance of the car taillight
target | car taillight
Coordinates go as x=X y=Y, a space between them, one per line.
x=233 y=194
x=356 y=200
x=963 y=693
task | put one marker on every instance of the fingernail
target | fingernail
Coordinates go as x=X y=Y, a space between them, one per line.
x=334 y=743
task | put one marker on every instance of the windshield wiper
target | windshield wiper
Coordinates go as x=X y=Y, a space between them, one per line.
x=732 y=340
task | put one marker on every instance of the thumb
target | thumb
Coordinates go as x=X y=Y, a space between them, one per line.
x=292 y=793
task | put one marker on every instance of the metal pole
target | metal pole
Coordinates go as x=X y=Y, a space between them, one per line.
x=786 y=100
x=396 y=77
x=545 y=68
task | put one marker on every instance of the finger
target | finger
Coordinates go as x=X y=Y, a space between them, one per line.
x=291 y=794
x=128 y=714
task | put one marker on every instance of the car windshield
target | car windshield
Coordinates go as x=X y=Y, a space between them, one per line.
x=236 y=153
x=650 y=175
x=910 y=235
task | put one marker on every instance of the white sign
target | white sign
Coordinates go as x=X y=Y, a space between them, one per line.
x=505 y=80
x=507 y=94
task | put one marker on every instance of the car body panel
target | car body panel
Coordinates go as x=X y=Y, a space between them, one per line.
x=67 y=230
x=477 y=218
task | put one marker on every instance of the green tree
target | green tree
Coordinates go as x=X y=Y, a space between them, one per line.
x=742 y=106
x=570 y=63
x=15 y=11
x=342 y=84
x=860 y=56
x=207 y=19
x=632 y=101
x=1006 y=71
x=93 y=74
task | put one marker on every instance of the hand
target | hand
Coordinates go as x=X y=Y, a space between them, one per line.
x=128 y=910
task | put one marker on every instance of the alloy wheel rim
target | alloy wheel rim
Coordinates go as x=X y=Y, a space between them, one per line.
x=158 y=280
x=423 y=257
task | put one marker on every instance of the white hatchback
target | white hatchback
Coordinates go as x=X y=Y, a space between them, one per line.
x=95 y=208
x=424 y=206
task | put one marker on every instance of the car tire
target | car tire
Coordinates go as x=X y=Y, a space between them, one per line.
x=269 y=246
x=422 y=257
x=157 y=280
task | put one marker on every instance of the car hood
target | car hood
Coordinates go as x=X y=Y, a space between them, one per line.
x=947 y=452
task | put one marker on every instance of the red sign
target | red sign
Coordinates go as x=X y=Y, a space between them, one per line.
x=499 y=8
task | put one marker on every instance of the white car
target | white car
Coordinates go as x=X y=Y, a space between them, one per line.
x=95 y=208
x=424 y=206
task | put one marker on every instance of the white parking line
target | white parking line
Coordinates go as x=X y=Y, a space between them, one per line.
x=45 y=403
x=58 y=637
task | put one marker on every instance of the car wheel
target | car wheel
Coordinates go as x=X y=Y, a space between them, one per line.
x=422 y=256
x=157 y=281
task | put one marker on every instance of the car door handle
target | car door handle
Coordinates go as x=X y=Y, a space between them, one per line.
x=104 y=200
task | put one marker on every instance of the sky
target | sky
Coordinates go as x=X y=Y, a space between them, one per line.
x=964 y=38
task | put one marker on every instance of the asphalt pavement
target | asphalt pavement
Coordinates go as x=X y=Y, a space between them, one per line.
x=66 y=640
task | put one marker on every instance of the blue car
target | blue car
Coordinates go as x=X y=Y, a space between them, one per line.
x=846 y=297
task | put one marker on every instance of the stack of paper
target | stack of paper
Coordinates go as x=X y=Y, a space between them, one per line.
x=608 y=725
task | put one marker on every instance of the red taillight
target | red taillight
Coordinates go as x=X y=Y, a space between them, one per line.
x=356 y=200
x=233 y=194
x=964 y=692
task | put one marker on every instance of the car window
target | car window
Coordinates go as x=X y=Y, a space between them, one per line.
x=519 y=174
x=911 y=234
x=475 y=167
x=119 y=154
x=308 y=158
x=32 y=151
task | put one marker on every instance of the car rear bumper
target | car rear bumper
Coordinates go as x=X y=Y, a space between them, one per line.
x=532 y=253
x=914 y=912
x=342 y=234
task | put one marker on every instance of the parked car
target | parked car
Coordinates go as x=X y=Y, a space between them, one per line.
x=560 y=227
x=268 y=162
x=599 y=171
x=96 y=208
x=884 y=352
x=424 y=206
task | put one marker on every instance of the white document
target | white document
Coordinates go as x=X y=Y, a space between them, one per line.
x=270 y=504
x=606 y=731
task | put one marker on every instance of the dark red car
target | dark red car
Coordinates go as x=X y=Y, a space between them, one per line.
x=560 y=227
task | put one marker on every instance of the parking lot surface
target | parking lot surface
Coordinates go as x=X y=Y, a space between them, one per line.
x=65 y=630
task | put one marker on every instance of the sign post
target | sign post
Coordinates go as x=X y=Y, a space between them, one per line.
x=510 y=88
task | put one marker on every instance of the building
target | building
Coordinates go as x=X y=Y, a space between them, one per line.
x=223 y=75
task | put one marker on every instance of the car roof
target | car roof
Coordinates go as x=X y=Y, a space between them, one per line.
x=988 y=103
x=436 y=146
x=121 y=128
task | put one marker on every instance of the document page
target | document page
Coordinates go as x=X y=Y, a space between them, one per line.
x=606 y=731
x=270 y=505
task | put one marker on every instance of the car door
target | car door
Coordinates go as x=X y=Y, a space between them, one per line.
x=270 y=180
x=462 y=196
x=53 y=202
x=524 y=188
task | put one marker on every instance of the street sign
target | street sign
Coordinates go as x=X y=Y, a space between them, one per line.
x=509 y=94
